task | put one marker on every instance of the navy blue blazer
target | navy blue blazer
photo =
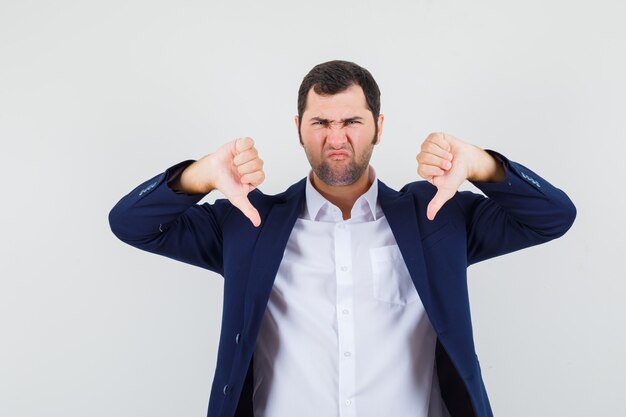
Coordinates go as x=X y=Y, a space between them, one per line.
x=521 y=211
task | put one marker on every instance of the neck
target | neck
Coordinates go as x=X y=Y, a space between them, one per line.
x=343 y=196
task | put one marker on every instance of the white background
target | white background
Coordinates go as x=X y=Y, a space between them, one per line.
x=98 y=96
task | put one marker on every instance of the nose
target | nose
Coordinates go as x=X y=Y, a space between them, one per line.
x=336 y=135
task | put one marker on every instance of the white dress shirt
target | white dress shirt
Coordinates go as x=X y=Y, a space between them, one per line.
x=344 y=332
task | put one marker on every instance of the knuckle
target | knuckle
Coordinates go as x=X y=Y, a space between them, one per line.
x=428 y=158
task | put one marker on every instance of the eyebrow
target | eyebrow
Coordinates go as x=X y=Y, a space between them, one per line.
x=348 y=119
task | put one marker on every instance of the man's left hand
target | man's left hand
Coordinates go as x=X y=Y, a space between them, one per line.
x=446 y=162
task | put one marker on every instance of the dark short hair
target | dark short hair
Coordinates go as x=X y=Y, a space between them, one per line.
x=333 y=77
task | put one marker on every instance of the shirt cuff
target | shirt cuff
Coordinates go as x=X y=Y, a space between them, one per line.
x=172 y=173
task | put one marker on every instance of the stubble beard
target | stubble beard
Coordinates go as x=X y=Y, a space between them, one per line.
x=341 y=175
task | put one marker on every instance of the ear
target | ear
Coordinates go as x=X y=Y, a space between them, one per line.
x=381 y=119
x=296 y=119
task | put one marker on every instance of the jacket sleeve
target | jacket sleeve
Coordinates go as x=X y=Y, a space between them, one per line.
x=157 y=219
x=522 y=210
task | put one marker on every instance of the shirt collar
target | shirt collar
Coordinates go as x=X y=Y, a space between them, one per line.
x=317 y=207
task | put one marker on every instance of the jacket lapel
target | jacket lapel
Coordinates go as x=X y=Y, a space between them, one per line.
x=401 y=214
x=269 y=250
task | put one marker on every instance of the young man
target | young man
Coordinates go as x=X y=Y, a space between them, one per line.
x=342 y=296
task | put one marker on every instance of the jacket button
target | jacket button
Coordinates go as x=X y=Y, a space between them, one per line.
x=237 y=338
x=226 y=389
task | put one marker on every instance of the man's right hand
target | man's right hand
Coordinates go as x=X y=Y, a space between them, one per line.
x=234 y=169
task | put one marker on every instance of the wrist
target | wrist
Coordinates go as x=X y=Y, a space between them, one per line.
x=485 y=167
x=193 y=181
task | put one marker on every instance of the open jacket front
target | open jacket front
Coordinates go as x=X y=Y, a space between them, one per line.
x=521 y=211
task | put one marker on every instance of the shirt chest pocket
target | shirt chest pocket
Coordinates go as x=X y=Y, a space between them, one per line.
x=391 y=280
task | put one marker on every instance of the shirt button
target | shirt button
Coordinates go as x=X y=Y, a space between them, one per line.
x=237 y=338
x=226 y=389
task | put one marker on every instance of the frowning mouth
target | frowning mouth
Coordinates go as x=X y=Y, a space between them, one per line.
x=338 y=155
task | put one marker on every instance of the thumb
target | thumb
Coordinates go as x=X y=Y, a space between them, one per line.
x=248 y=210
x=438 y=201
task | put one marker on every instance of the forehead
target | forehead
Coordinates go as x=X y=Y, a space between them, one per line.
x=350 y=102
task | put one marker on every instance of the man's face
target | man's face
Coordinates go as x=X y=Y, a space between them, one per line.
x=338 y=134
